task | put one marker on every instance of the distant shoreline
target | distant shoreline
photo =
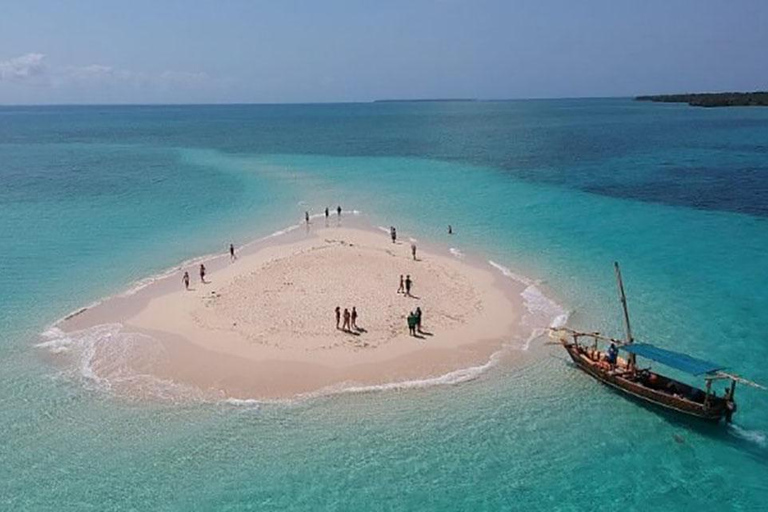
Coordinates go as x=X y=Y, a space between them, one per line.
x=427 y=100
x=709 y=100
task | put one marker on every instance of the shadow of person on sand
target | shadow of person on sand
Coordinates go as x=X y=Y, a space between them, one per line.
x=425 y=333
x=360 y=330
x=353 y=333
x=419 y=336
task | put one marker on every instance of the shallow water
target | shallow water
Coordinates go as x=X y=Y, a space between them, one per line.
x=95 y=198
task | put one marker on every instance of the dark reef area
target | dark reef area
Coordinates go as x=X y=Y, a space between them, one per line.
x=718 y=99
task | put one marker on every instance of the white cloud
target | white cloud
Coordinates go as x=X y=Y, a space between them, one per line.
x=33 y=69
x=25 y=68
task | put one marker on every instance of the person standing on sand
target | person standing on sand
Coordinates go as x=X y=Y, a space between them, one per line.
x=202 y=273
x=185 y=280
x=326 y=213
x=393 y=234
x=411 y=324
x=345 y=327
x=338 y=316
x=418 y=320
x=401 y=289
x=354 y=318
x=408 y=284
x=413 y=251
x=338 y=210
x=232 y=256
x=306 y=217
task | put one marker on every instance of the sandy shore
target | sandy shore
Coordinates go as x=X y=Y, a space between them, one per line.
x=263 y=326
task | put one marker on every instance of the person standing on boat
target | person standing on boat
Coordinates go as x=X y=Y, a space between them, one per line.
x=613 y=354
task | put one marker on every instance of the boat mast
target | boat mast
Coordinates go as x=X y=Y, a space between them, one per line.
x=623 y=300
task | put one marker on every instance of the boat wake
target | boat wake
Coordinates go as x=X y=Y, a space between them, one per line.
x=753 y=436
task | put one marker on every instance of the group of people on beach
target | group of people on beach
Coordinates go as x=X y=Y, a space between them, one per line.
x=393 y=236
x=185 y=278
x=350 y=319
x=414 y=322
x=405 y=285
x=346 y=320
x=202 y=270
x=327 y=214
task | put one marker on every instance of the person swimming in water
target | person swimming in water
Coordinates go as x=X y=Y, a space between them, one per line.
x=450 y=229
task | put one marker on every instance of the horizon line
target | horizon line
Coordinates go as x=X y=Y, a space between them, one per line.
x=350 y=102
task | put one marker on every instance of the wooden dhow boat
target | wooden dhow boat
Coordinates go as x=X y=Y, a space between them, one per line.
x=625 y=375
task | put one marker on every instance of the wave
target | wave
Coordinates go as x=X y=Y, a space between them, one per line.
x=457 y=253
x=454 y=377
x=451 y=378
x=753 y=436
x=102 y=358
x=543 y=312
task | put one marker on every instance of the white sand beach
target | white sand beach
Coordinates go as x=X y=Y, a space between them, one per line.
x=263 y=326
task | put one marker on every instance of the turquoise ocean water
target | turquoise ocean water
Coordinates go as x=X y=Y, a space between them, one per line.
x=96 y=198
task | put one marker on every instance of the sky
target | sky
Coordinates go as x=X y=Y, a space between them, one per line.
x=292 y=51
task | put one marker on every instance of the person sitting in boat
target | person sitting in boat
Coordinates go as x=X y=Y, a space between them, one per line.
x=613 y=354
x=673 y=390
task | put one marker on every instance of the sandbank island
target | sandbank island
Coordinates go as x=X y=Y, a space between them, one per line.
x=263 y=325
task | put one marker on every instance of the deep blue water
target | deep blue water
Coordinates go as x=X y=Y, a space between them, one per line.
x=94 y=198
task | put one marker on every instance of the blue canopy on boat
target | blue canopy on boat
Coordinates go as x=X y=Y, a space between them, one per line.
x=675 y=360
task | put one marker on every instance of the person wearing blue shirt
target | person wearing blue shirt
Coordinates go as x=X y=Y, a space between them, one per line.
x=613 y=354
